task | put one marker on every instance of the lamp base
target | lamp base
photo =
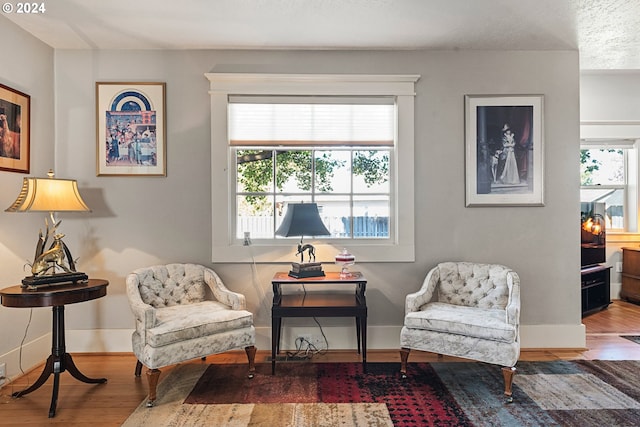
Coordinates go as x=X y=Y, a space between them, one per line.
x=35 y=282
x=307 y=269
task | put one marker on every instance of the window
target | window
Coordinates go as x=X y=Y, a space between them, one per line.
x=335 y=152
x=605 y=177
x=336 y=140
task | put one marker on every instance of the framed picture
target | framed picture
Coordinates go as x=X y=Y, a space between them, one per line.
x=504 y=150
x=131 y=129
x=15 y=113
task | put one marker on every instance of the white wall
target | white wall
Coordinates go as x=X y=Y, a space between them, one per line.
x=138 y=221
x=27 y=65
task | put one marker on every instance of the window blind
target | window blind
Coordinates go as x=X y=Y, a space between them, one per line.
x=311 y=121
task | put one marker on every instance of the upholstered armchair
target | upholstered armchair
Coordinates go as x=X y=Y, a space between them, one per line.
x=183 y=312
x=466 y=310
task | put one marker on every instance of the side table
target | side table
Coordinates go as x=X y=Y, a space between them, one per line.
x=319 y=304
x=56 y=297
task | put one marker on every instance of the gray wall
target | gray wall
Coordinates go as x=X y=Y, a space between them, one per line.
x=138 y=221
x=27 y=65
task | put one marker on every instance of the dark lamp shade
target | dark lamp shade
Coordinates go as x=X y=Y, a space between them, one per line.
x=302 y=219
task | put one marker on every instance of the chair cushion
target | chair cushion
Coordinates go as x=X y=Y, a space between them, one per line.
x=184 y=322
x=460 y=320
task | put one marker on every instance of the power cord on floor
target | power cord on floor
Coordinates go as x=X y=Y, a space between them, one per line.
x=305 y=349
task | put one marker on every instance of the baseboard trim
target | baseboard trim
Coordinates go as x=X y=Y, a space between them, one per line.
x=340 y=337
x=33 y=354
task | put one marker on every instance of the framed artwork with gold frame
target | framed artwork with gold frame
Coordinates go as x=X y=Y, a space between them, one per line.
x=15 y=118
x=131 y=129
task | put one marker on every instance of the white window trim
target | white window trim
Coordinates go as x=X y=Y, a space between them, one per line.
x=225 y=246
x=592 y=133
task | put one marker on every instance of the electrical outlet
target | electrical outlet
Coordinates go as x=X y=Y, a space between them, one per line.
x=310 y=339
x=305 y=338
x=3 y=373
x=618 y=267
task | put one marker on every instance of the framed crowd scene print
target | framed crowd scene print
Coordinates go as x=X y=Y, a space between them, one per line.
x=131 y=129
x=504 y=150
x=15 y=115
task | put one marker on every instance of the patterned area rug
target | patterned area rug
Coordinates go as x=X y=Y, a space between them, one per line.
x=580 y=393
x=634 y=338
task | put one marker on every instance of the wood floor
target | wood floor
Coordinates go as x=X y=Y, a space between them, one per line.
x=109 y=404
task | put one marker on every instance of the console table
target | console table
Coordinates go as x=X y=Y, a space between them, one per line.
x=319 y=304
x=57 y=297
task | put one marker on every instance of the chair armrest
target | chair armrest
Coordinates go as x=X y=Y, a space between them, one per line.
x=233 y=299
x=414 y=301
x=513 y=304
x=144 y=314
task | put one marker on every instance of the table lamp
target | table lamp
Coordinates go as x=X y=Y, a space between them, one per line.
x=303 y=219
x=50 y=195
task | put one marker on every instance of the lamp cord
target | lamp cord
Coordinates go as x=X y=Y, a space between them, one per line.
x=256 y=282
x=24 y=337
x=305 y=348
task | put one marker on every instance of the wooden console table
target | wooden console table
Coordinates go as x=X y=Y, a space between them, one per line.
x=319 y=304
x=57 y=297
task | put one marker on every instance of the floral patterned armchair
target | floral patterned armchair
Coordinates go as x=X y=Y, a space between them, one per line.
x=466 y=310
x=183 y=312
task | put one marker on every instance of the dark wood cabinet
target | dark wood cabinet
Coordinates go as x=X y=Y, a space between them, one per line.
x=631 y=275
x=596 y=288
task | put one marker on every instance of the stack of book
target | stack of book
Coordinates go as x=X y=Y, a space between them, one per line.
x=307 y=269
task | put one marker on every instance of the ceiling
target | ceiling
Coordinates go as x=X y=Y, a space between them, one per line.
x=606 y=32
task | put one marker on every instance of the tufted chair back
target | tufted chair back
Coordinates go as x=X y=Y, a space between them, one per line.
x=473 y=285
x=173 y=284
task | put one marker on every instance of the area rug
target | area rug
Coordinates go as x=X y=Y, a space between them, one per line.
x=634 y=338
x=562 y=393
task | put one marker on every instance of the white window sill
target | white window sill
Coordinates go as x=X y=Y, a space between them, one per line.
x=325 y=253
x=622 y=237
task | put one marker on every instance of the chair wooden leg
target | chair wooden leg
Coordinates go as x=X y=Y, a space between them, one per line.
x=138 y=368
x=152 y=377
x=508 y=374
x=251 y=355
x=404 y=356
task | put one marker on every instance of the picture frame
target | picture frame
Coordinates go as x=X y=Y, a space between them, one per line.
x=15 y=131
x=504 y=150
x=131 y=129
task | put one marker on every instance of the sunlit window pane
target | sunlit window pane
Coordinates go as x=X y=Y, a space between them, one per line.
x=255 y=171
x=371 y=216
x=602 y=167
x=335 y=212
x=333 y=171
x=254 y=215
x=371 y=171
x=293 y=171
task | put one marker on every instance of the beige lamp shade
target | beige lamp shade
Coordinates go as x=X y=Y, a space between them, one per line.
x=49 y=195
